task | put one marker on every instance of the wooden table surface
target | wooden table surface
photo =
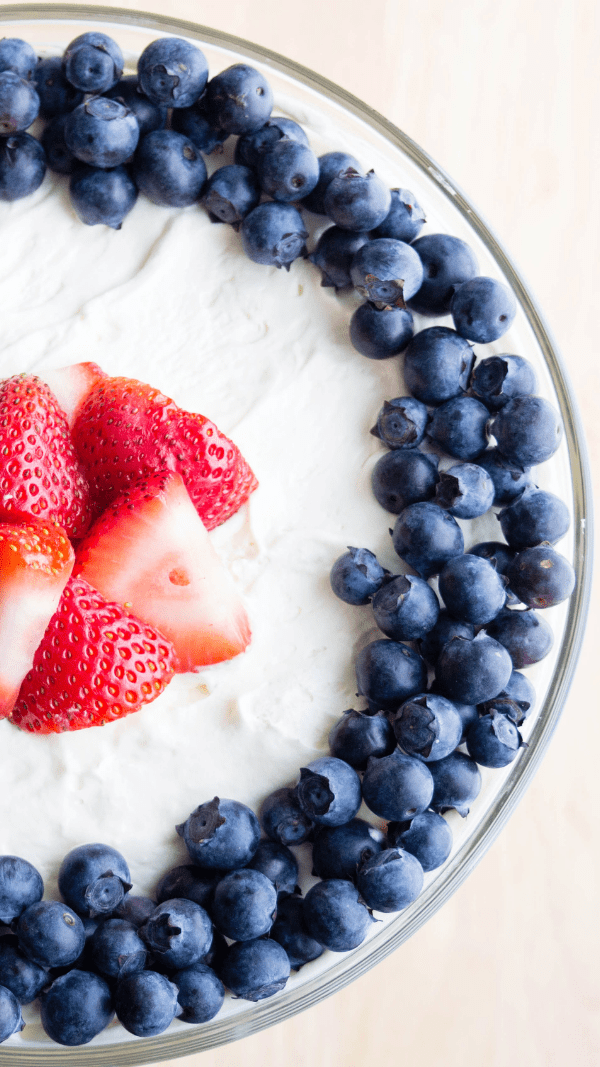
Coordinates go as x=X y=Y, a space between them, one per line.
x=506 y=96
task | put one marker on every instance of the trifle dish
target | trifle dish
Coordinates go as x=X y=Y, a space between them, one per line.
x=172 y=300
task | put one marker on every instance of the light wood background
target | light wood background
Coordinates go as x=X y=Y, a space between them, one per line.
x=506 y=95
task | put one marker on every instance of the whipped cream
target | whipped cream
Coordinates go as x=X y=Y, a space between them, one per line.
x=172 y=300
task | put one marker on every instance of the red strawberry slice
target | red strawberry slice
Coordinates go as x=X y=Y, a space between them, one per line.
x=40 y=475
x=126 y=430
x=150 y=551
x=96 y=663
x=71 y=386
x=36 y=561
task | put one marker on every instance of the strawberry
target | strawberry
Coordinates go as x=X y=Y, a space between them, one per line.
x=71 y=386
x=126 y=430
x=150 y=551
x=36 y=561
x=40 y=475
x=96 y=663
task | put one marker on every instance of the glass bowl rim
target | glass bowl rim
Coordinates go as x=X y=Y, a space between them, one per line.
x=353 y=965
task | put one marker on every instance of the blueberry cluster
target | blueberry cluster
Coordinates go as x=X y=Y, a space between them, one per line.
x=442 y=688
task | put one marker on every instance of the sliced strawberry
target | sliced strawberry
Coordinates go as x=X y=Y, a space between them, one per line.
x=150 y=551
x=126 y=430
x=36 y=561
x=40 y=475
x=96 y=663
x=71 y=386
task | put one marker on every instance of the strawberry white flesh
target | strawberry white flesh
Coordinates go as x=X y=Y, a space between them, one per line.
x=35 y=566
x=71 y=386
x=151 y=552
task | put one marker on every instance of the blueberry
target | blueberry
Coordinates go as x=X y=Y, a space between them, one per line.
x=535 y=517
x=288 y=170
x=426 y=537
x=221 y=834
x=493 y=741
x=404 y=477
x=404 y=220
x=397 y=786
x=244 y=905
x=428 y=727
x=388 y=673
x=459 y=428
x=168 y=169
x=515 y=710
x=386 y=272
x=457 y=782
x=20 y=885
x=444 y=630
x=179 y=932
x=146 y=1003
x=509 y=479
x=11 y=1020
x=498 y=379
x=93 y=879
x=335 y=916
x=172 y=72
x=135 y=910
x=471 y=672
x=59 y=158
x=483 y=309
x=390 y=881
x=329 y=791
x=405 y=608
x=200 y=993
x=18 y=56
x=357 y=735
x=500 y=556
x=401 y=423
x=255 y=970
x=357 y=202
x=128 y=93
x=193 y=124
x=356 y=576
x=277 y=863
x=447 y=262
x=76 y=1008
x=427 y=836
x=437 y=365
x=101 y=132
x=465 y=490
x=526 y=636
x=289 y=930
x=541 y=577
x=93 y=62
x=23 y=977
x=283 y=819
x=379 y=333
x=19 y=103
x=472 y=590
x=230 y=194
x=50 y=934
x=338 y=850
x=187 y=882
x=117 y=948
x=333 y=256
x=57 y=95
x=238 y=99
x=274 y=234
x=331 y=165
x=528 y=430
x=252 y=146
x=102 y=197
x=521 y=690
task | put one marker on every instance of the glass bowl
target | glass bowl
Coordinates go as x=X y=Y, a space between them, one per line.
x=327 y=111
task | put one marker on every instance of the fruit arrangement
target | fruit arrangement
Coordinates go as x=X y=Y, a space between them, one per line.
x=108 y=491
